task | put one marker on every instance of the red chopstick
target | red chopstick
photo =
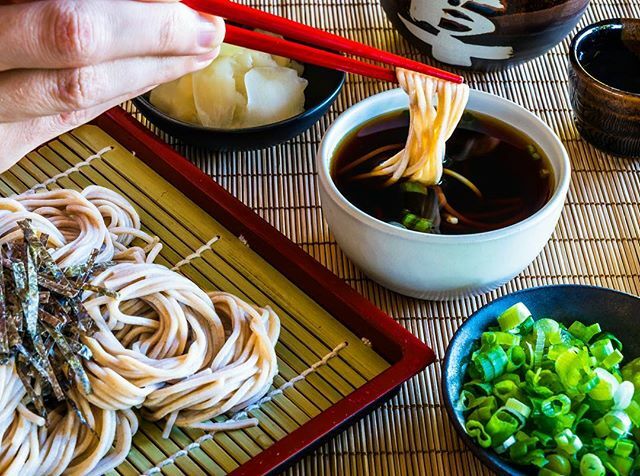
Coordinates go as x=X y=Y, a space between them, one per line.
x=297 y=31
x=306 y=54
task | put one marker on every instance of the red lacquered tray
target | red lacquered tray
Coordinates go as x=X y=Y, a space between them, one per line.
x=404 y=352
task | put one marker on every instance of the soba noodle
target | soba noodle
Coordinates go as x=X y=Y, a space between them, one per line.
x=240 y=374
x=435 y=108
x=161 y=343
x=62 y=444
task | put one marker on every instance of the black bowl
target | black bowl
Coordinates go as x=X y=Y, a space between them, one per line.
x=483 y=35
x=322 y=90
x=613 y=310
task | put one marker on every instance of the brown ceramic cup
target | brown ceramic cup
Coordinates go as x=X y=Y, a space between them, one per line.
x=604 y=85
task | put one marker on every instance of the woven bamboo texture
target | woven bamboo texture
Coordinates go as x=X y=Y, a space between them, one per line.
x=597 y=240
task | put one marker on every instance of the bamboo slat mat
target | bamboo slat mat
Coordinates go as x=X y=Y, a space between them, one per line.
x=597 y=240
x=319 y=360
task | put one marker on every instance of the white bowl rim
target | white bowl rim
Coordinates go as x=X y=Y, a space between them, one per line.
x=563 y=176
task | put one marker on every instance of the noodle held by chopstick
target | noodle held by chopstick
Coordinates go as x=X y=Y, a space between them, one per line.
x=435 y=108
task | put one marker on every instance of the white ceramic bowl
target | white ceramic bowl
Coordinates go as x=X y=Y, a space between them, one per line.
x=440 y=266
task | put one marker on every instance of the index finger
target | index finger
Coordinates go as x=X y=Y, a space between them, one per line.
x=57 y=34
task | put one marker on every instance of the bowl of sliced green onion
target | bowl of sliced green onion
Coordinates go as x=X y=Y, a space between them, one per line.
x=546 y=381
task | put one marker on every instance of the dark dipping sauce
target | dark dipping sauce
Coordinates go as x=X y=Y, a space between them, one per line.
x=612 y=58
x=514 y=177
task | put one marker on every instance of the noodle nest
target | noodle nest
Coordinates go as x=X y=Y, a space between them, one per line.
x=161 y=343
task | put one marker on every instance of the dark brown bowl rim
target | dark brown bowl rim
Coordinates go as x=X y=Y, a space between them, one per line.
x=589 y=30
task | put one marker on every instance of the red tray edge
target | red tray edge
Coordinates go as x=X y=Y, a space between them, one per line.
x=406 y=353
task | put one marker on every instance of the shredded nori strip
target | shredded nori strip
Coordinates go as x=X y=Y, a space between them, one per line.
x=78 y=270
x=4 y=340
x=99 y=290
x=56 y=287
x=43 y=321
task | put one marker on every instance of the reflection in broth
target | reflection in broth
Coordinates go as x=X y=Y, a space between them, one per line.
x=494 y=177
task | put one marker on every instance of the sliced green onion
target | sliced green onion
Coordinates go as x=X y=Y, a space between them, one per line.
x=526 y=326
x=506 y=389
x=558 y=464
x=612 y=359
x=544 y=383
x=476 y=386
x=483 y=402
x=610 y=442
x=506 y=445
x=568 y=405
x=535 y=458
x=581 y=410
x=523 y=447
x=415 y=222
x=622 y=464
x=556 y=349
x=516 y=358
x=483 y=408
x=602 y=349
x=568 y=441
x=556 y=405
x=631 y=372
x=476 y=430
x=624 y=448
x=500 y=338
x=550 y=328
x=582 y=332
x=633 y=410
x=623 y=395
x=501 y=426
x=618 y=422
x=606 y=387
x=544 y=439
x=513 y=317
x=490 y=363
x=465 y=401
x=601 y=428
x=538 y=350
x=572 y=368
x=608 y=335
x=518 y=408
x=590 y=465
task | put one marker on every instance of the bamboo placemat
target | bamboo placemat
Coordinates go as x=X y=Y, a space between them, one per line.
x=596 y=242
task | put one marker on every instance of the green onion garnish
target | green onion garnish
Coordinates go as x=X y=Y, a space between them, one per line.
x=556 y=398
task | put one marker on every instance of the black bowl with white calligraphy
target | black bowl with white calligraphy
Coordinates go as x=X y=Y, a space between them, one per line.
x=484 y=35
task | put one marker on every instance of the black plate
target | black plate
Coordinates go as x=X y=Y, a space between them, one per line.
x=321 y=92
x=615 y=311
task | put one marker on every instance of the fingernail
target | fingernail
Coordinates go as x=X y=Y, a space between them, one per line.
x=207 y=36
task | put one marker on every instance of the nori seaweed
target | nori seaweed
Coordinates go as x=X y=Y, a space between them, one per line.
x=42 y=319
x=4 y=340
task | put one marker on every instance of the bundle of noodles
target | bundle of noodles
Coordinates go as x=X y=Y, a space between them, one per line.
x=78 y=220
x=106 y=330
x=240 y=374
x=31 y=445
x=435 y=108
x=12 y=212
x=160 y=327
x=123 y=222
x=78 y=223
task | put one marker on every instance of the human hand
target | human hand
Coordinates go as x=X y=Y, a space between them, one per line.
x=64 y=62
